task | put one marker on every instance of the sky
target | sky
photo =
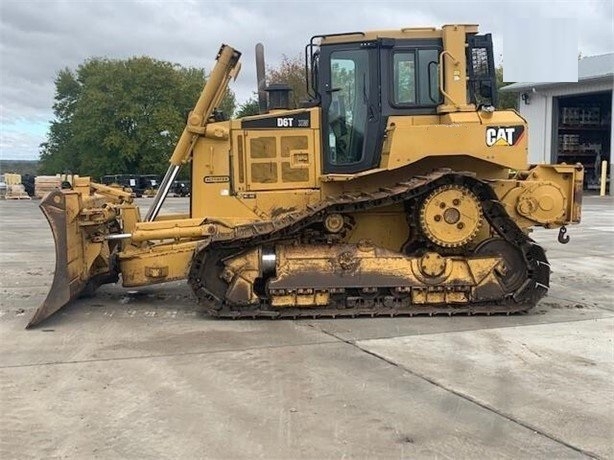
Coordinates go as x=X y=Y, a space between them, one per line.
x=40 y=38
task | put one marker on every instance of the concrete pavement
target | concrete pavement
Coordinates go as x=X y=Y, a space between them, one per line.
x=142 y=374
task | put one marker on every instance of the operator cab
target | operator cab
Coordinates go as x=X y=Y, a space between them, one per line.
x=360 y=79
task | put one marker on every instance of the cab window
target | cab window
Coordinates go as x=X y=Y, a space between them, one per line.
x=416 y=78
x=404 y=78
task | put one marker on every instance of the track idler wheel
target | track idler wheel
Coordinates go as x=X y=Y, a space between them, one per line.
x=513 y=272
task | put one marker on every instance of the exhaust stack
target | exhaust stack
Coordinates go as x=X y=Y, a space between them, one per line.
x=260 y=76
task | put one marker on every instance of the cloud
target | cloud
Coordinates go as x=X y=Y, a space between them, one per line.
x=37 y=39
x=18 y=142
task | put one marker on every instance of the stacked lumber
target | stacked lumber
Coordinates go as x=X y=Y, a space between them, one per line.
x=67 y=177
x=12 y=179
x=16 y=192
x=46 y=184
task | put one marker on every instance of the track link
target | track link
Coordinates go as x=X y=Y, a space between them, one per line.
x=209 y=289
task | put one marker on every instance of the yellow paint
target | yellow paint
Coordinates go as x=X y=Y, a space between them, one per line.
x=244 y=175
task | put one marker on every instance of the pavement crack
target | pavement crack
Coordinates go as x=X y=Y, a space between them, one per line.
x=166 y=355
x=464 y=396
x=471 y=329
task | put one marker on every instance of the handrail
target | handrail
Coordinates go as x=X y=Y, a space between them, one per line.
x=441 y=80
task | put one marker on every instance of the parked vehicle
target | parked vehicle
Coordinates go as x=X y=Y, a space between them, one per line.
x=398 y=189
x=148 y=185
x=126 y=182
x=181 y=188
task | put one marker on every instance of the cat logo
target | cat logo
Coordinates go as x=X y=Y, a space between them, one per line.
x=503 y=136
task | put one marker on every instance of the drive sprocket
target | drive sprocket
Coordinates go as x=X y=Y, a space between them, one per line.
x=451 y=216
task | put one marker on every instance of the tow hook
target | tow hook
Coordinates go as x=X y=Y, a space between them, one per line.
x=563 y=238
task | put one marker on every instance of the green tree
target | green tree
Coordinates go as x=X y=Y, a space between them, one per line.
x=228 y=104
x=290 y=71
x=120 y=116
x=58 y=154
x=505 y=100
x=249 y=107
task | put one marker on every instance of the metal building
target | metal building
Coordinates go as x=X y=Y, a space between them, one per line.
x=572 y=122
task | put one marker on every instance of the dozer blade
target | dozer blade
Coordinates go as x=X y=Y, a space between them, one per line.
x=72 y=274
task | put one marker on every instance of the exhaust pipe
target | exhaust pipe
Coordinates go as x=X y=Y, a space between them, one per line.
x=261 y=77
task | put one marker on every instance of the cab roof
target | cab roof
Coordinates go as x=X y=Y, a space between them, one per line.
x=404 y=33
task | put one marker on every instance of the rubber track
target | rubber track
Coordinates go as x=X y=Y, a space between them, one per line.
x=290 y=226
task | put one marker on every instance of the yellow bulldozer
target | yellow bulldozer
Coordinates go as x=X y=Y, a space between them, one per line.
x=396 y=189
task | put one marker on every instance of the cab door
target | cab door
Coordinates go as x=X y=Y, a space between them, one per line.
x=351 y=113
